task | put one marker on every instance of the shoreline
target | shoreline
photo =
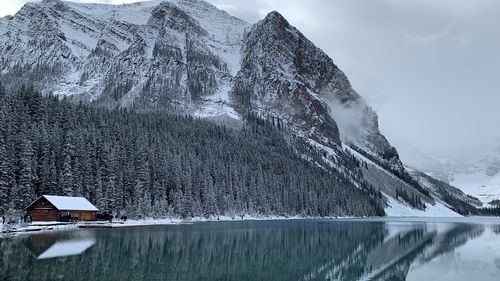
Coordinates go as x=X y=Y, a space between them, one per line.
x=41 y=227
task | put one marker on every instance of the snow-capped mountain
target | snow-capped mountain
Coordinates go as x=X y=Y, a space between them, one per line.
x=478 y=177
x=187 y=56
x=476 y=173
x=185 y=50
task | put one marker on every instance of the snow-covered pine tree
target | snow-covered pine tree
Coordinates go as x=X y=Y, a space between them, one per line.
x=25 y=192
x=145 y=163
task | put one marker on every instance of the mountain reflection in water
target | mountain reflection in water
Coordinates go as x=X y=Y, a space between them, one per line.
x=259 y=250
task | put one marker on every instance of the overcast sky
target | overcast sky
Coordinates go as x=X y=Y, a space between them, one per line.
x=430 y=68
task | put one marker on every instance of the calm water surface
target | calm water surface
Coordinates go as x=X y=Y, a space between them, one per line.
x=462 y=249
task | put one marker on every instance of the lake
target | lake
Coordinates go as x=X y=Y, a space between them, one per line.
x=343 y=249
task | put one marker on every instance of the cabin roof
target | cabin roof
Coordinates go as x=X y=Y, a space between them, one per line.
x=67 y=203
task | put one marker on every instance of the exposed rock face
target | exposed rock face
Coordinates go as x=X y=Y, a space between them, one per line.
x=153 y=54
x=283 y=74
x=450 y=195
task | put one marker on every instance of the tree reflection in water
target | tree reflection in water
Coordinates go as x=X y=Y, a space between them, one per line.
x=265 y=250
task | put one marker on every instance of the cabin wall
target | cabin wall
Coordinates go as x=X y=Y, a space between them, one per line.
x=53 y=215
x=43 y=215
x=43 y=210
x=81 y=215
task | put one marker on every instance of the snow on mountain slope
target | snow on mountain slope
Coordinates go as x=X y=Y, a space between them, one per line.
x=385 y=181
x=398 y=209
x=429 y=164
x=447 y=194
x=438 y=202
x=478 y=175
x=475 y=173
x=486 y=188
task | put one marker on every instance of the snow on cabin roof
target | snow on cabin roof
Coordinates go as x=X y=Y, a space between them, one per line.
x=66 y=203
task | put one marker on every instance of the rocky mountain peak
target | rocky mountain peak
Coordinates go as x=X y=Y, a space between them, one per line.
x=275 y=18
x=170 y=16
x=52 y=2
x=54 y=7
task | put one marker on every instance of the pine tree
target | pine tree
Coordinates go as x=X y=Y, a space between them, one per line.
x=5 y=161
x=154 y=164
x=2 y=91
x=25 y=188
x=5 y=178
x=66 y=179
x=100 y=194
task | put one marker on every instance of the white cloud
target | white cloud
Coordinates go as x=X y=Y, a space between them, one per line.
x=10 y=7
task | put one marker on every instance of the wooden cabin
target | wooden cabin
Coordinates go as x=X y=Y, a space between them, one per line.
x=55 y=208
